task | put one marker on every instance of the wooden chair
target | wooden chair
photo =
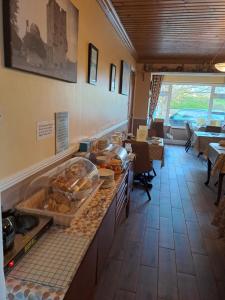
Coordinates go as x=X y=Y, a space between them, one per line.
x=156 y=129
x=211 y=128
x=131 y=141
x=142 y=164
x=189 y=132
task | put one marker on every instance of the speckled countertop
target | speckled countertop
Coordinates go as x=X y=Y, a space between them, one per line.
x=84 y=224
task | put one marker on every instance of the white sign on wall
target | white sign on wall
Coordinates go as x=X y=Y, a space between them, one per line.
x=45 y=129
x=61 y=131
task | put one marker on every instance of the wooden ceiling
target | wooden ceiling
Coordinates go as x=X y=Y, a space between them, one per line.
x=175 y=31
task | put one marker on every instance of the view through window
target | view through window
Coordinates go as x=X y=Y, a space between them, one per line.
x=197 y=104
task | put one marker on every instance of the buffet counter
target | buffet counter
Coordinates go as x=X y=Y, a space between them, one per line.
x=96 y=224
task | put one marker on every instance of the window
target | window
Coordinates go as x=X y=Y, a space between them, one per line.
x=198 y=104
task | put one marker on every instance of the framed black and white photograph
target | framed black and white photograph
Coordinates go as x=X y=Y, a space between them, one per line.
x=124 y=78
x=92 y=64
x=112 y=78
x=41 y=37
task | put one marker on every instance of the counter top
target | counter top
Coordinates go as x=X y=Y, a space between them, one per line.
x=85 y=224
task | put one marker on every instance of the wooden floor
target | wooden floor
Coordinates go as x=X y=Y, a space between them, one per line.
x=167 y=249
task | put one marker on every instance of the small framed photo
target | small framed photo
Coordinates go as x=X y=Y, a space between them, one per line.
x=124 y=78
x=92 y=64
x=112 y=78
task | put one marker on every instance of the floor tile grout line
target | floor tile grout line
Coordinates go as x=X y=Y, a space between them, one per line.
x=205 y=211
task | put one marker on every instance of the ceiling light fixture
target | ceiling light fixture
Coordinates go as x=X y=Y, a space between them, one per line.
x=220 y=66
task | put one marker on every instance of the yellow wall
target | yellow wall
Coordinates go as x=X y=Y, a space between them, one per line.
x=26 y=98
x=142 y=85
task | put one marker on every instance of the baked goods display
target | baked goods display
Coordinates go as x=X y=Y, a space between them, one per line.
x=57 y=202
x=62 y=190
x=80 y=176
x=116 y=166
x=114 y=157
x=102 y=159
x=102 y=144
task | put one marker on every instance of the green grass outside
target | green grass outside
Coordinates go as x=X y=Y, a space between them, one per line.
x=193 y=97
x=198 y=102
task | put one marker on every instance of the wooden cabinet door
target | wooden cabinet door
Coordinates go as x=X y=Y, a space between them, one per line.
x=129 y=187
x=83 y=284
x=89 y=272
x=122 y=200
x=105 y=237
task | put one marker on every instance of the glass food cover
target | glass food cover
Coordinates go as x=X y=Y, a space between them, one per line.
x=61 y=191
x=117 y=152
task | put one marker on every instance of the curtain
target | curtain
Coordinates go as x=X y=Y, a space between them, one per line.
x=155 y=87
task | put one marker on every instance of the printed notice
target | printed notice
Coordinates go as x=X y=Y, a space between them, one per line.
x=61 y=131
x=45 y=129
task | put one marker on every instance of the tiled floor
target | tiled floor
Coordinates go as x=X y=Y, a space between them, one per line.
x=168 y=249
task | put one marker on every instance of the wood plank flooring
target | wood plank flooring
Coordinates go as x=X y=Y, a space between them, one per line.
x=167 y=249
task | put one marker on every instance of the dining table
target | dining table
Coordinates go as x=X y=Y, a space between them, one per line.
x=202 y=140
x=156 y=149
x=216 y=165
x=204 y=128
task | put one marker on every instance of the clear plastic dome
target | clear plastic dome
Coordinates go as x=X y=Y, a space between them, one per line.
x=61 y=190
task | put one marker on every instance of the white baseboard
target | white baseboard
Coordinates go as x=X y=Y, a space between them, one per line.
x=23 y=174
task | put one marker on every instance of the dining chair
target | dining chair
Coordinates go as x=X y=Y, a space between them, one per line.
x=210 y=128
x=142 y=163
x=189 y=133
x=156 y=129
x=214 y=123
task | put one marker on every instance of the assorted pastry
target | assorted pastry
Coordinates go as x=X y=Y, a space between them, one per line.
x=116 y=166
x=57 y=202
x=67 y=180
x=68 y=188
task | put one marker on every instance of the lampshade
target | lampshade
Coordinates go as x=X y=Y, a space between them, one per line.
x=220 y=67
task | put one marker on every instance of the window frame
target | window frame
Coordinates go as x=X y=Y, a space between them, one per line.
x=213 y=95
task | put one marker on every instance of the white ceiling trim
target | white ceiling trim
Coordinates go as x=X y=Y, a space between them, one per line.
x=114 y=19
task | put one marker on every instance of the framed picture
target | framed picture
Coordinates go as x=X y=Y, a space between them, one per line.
x=124 y=78
x=41 y=37
x=92 y=64
x=112 y=78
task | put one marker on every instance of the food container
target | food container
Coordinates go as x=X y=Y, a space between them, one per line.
x=102 y=159
x=60 y=192
x=102 y=144
x=107 y=176
x=116 y=139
